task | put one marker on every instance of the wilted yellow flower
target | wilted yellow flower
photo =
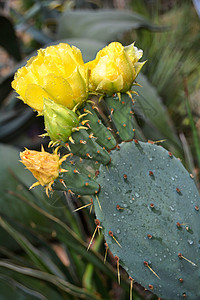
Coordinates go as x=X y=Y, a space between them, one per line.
x=114 y=69
x=57 y=72
x=44 y=166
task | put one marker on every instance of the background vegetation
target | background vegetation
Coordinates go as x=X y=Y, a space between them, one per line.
x=43 y=243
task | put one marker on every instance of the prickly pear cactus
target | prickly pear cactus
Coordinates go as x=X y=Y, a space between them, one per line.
x=145 y=201
x=150 y=218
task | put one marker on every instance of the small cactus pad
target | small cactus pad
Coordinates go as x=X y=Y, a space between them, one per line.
x=85 y=146
x=76 y=181
x=122 y=115
x=151 y=219
x=101 y=133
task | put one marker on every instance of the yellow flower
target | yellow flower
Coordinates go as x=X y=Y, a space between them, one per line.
x=57 y=72
x=44 y=166
x=114 y=69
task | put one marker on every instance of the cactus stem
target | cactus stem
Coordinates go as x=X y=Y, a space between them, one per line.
x=111 y=234
x=106 y=253
x=84 y=206
x=131 y=287
x=147 y=265
x=118 y=273
x=97 y=222
x=183 y=257
x=98 y=202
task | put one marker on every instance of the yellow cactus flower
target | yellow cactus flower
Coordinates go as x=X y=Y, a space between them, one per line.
x=44 y=166
x=57 y=73
x=114 y=69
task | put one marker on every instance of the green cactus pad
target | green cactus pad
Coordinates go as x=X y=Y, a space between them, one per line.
x=86 y=147
x=103 y=135
x=122 y=116
x=76 y=181
x=151 y=205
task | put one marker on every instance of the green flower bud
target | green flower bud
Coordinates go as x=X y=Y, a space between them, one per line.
x=59 y=120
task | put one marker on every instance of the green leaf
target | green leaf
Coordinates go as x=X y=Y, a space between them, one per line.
x=192 y=123
x=104 y=25
x=56 y=281
x=12 y=289
x=157 y=123
x=40 y=260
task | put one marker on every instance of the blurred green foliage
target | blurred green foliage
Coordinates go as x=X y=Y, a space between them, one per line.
x=43 y=244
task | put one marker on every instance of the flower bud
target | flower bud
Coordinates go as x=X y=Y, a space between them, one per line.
x=114 y=69
x=57 y=72
x=44 y=166
x=59 y=121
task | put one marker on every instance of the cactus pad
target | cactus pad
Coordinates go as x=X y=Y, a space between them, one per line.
x=150 y=205
x=102 y=134
x=122 y=115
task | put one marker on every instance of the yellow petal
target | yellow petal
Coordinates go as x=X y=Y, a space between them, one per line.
x=78 y=85
x=34 y=96
x=59 y=90
x=21 y=80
